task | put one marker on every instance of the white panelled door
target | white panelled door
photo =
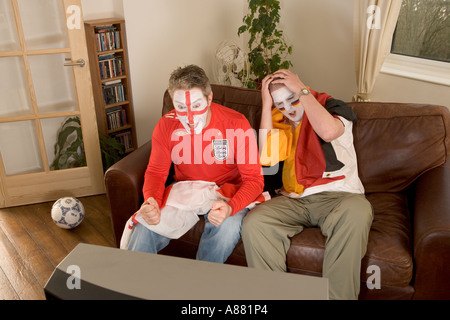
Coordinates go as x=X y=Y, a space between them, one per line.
x=49 y=145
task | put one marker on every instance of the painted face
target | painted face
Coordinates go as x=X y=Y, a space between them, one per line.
x=288 y=103
x=192 y=109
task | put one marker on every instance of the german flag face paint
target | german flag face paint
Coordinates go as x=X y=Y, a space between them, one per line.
x=191 y=108
x=288 y=103
x=295 y=104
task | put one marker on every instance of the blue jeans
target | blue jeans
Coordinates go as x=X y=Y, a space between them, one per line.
x=216 y=243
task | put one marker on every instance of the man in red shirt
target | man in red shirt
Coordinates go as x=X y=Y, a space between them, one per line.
x=206 y=142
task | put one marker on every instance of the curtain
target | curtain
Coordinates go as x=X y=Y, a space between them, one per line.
x=374 y=25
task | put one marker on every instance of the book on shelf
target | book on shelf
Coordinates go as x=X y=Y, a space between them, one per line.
x=111 y=86
x=113 y=92
x=116 y=117
x=125 y=138
x=107 y=37
x=110 y=65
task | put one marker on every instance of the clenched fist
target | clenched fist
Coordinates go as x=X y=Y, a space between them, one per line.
x=150 y=212
x=220 y=210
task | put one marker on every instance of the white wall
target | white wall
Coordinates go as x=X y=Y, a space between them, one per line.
x=390 y=88
x=321 y=33
x=164 y=35
x=99 y=9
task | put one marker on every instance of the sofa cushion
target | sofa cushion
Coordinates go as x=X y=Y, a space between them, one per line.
x=389 y=245
x=396 y=143
x=246 y=101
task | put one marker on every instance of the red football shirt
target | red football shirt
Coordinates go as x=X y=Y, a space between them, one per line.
x=225 y=152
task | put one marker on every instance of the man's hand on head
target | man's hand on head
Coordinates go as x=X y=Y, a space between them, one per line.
x=290 y=80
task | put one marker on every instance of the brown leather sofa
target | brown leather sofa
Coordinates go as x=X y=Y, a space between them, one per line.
x=403 y=154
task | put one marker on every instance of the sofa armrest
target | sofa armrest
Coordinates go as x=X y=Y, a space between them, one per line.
x=124 y=181
x=432 y=234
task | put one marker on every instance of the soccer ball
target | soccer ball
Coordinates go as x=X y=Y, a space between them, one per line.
x=67 y=212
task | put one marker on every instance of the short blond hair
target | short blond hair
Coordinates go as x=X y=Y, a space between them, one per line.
x=187 y=78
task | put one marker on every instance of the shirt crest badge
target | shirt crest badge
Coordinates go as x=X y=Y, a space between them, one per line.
x=220 y=149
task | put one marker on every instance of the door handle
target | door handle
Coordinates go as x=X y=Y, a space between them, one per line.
x=79 y=63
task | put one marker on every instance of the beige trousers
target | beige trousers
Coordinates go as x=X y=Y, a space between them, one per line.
x=344 y=218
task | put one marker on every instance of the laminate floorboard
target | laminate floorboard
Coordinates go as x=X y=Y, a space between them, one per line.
x=31 y=245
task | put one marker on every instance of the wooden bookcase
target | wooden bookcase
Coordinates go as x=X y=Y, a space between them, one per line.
x=110 y=75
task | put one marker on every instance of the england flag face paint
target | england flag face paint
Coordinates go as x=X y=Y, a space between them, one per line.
x=192 y=109
x=288 y=103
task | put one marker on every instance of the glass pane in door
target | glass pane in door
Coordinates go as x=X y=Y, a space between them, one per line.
x=19 y=148
x=14 y=93
x=64 y=142
x=44 y=24
x=53 y=83
x=9 y=41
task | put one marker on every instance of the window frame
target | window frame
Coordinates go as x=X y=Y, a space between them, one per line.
x=433 y=71
x=417 y=68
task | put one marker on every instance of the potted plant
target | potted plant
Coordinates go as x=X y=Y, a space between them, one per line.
x=69 y=147
x=112 y=150
x=268 y=48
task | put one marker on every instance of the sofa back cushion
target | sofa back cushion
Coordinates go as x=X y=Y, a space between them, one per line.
x=395 y=143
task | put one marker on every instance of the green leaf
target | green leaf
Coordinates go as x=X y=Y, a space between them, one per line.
x=275 y=63
x=252 y=84
x=266 y=43
x=111 y=150
x=63 y=135
x=253 y=4
x=285 y=65
x=242 y=29
x=248 y=20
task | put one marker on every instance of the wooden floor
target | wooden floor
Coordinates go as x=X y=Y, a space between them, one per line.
x=31 y=245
